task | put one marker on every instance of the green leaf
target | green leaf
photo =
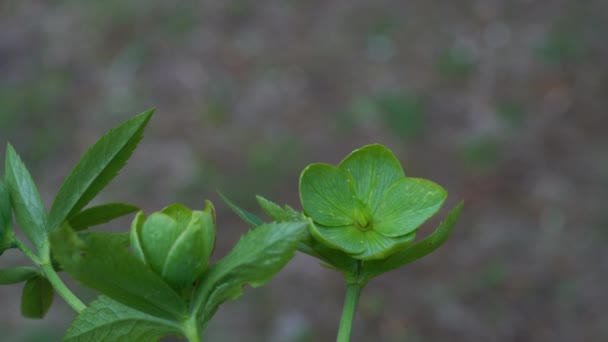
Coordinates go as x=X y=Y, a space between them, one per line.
x=325 y=193
x=277 y=213
x=108 y=320
x=254 y=260
x=29 y=211
x=97 y=167
x=100 y=214
x=417 y=250
x=16 y=275
x=101 y=261
x=374 y=169
x=407 y=205
x=37 y=297
x=6 y=218
x=246 y=216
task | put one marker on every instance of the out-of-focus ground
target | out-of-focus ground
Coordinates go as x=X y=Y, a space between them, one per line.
x=504 y=103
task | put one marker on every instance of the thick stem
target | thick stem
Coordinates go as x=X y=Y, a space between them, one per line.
x=191 y=331
x=348 y=312
x=61 y=289
x=51 y=275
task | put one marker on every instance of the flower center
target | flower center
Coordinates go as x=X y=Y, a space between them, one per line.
x=363 y=221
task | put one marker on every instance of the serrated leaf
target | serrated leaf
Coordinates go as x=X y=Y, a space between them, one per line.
x=16 y=275
x=255 y=259
x=101 y=261
x=37 y=297
x=29 y=211
x=277 y=213
x=6 y=217
x=100 y=214
x=246 y=216
x=417 y=250
x=97 y=167
x=106 y=320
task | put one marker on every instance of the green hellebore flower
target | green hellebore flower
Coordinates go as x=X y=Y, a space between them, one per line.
x=176 y=242
x=366 y=206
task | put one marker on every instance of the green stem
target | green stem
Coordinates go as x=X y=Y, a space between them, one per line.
x=348 y=312
x=191 y=331
x=61 y=289
x=51 y=275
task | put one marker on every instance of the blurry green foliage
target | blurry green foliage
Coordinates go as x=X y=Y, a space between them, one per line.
x=513 y=114
x=456 y=63
x=561 y=45
x=402 y=114
x=482 y=152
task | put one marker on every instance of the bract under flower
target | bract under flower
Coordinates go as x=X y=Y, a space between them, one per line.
x=366 y=206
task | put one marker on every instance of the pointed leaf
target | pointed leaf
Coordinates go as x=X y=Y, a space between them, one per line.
x=374 y=169
x=407 y=205
x=101 y=261
x=325 y=193
x=254 y=260
x=6 y=218
x=246 y=216
x=37 y=297
x=97 y=167
x=417 y=250
x=100 y=214
x=16 y=275
x=108 y=320
x=29 y=211
x=277 y=213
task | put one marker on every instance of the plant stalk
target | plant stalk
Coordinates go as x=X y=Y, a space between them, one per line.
x=61 y=289
x=53 y=278
x=191 y=330
x=348 y=312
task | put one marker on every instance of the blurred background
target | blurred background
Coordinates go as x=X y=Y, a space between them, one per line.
x=501 y=102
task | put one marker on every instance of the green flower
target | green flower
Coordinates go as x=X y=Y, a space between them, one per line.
x=366 y=206
x=176 y=242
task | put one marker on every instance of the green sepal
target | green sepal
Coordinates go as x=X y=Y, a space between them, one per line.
x=37 y=297
x=27 y=206
x=100 y=214
x=102 y=261
x=17 y=274
x=108 y=320
x=97 y=167
x=245 y=215
x=189 y=256
x=255 y=259
x=418 y=249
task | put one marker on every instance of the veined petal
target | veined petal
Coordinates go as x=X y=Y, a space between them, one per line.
x=378 y=246
x=374 y=169
x=348 y=239
x=326 y=195
x=407 y=205
x=158 y=235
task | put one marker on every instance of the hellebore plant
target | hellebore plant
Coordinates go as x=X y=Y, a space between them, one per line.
x=359 y=218
x=365 y=215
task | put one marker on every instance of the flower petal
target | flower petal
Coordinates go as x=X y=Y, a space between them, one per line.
x=348 y=239
x=374 y=169
x=407 y=205
x=378 y=246
x=326 y=195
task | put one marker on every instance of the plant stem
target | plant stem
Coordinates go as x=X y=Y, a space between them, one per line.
x=191 y=331
x=348 y=312
x=61 y=289
x=53 y=278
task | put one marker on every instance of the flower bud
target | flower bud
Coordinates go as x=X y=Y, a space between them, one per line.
x=176 y=242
